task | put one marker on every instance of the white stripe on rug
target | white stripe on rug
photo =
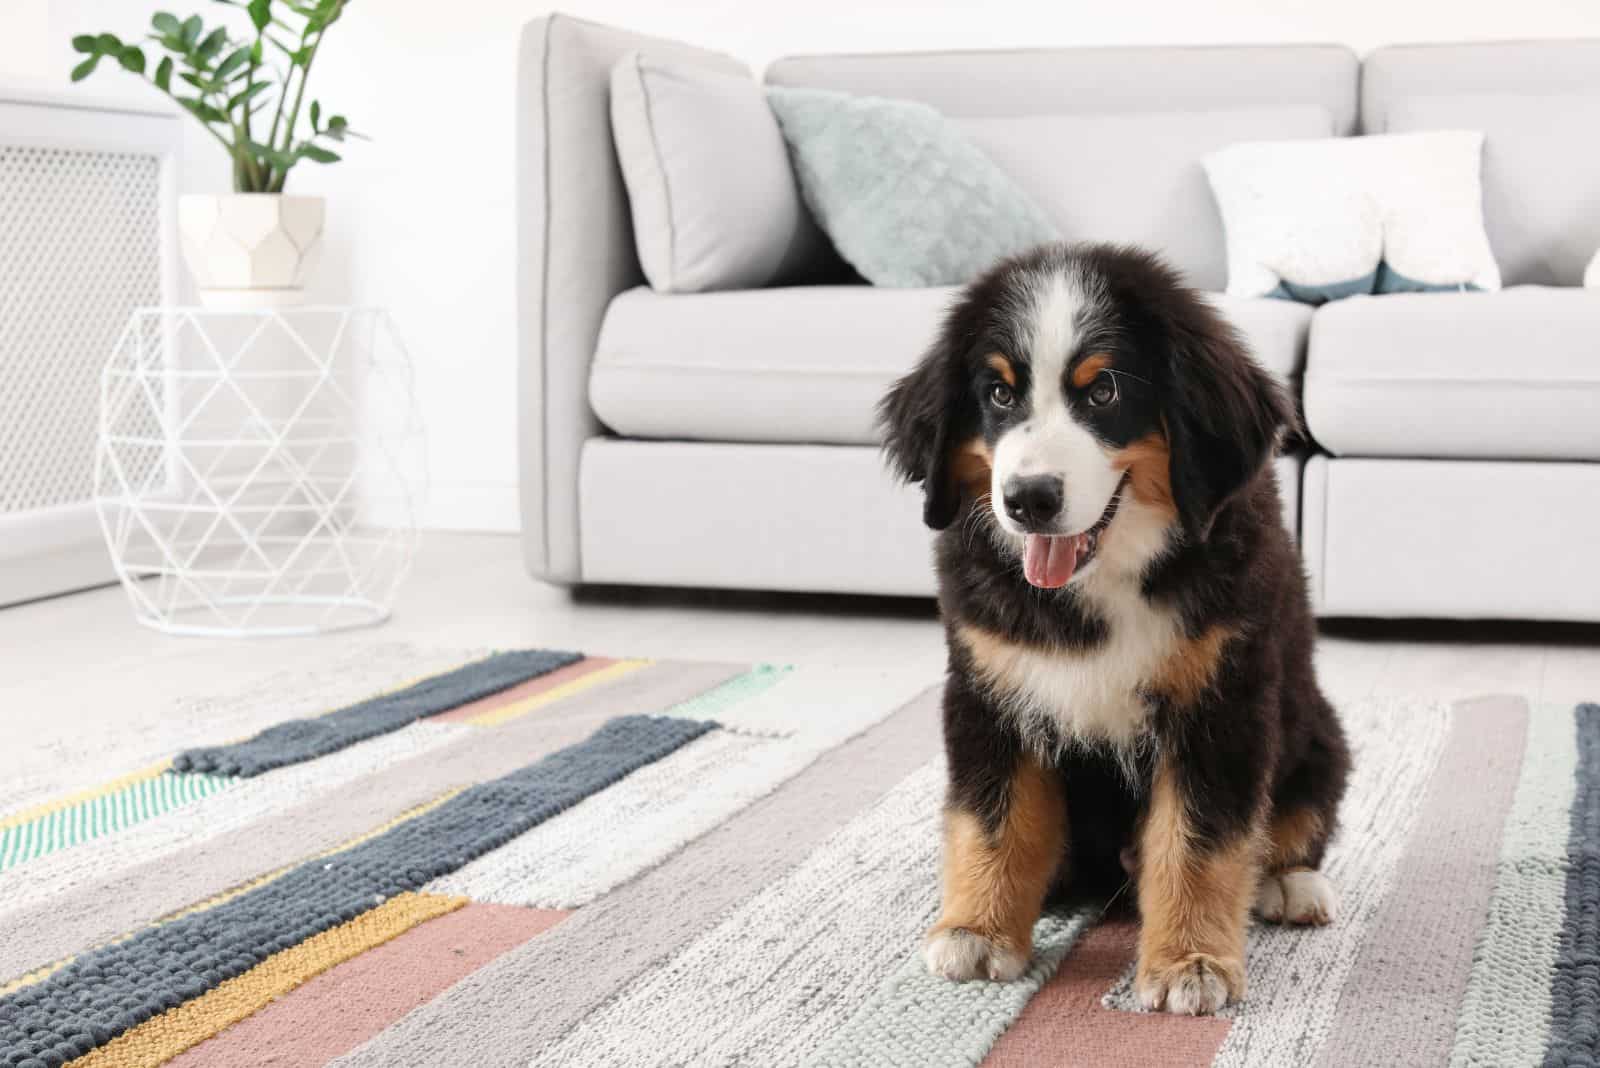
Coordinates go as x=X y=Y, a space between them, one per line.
x=918 y=1019
x=824 y=703
x=658 y=810
x=788 y=967
x=1505 y=1014
x=250 y=800
x=1295 y=974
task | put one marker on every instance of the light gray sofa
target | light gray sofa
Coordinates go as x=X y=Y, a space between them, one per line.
x=726 y=439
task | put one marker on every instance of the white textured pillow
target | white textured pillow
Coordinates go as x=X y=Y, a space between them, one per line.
x=714 y=200
x=1317 y=220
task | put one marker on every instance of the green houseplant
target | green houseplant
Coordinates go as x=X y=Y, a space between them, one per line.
x=249 y=93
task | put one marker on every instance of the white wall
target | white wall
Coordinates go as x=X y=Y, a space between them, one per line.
x=421 y=220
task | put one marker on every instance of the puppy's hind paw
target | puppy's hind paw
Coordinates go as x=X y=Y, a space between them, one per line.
x=1302 y=897
x=961 y=954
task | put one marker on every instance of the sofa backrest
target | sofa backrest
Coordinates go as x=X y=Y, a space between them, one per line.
x=1108 y=140
x=1537 y=103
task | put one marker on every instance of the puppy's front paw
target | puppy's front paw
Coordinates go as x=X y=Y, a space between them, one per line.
x=961 y=954
x=1196 y=985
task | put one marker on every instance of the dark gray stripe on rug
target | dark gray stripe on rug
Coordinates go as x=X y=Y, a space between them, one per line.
x=296 y=740
x=1575 y=985
x=508 y=1010
x=123 y=900
x=112 y=989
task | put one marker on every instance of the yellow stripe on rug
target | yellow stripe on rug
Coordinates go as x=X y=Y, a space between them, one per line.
x=162 y=1038
x=517 y=709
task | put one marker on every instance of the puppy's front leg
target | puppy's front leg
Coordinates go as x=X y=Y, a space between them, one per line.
x=1003 y=842
x=1196 y=885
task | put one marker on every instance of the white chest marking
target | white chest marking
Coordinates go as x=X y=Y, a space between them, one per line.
x=1089 y=695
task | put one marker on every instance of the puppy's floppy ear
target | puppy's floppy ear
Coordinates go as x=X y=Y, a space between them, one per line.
x=924 y=416
x=1224 y=415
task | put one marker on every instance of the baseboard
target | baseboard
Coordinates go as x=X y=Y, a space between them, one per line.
x=494 y=507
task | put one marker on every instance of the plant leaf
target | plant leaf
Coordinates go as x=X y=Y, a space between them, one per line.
x=108 y=44
x=235 y=59
x=84 y=69
x=280 y=160
x=213 y=43
x=260 y=14
x=166 y=25
x=314 y=152
x=85 y=42
x=248 y=93
x=316 y=115
x=201 y=110
x=132 y=59
x=191 y=30
x=164 y=75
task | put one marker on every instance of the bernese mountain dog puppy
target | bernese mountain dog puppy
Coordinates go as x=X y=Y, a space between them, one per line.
x=1131 y=692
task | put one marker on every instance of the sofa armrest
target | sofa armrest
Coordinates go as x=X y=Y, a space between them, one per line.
x=575 y=252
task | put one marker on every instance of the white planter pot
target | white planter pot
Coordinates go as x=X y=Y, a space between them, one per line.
x=250 y=250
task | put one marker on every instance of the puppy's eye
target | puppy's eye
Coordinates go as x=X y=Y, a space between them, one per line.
x=1103 y=390
x=1001 y=395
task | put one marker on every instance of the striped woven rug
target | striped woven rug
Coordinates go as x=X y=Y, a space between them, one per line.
x=542 y=858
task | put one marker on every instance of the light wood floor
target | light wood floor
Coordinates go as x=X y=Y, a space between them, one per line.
x=79 y=663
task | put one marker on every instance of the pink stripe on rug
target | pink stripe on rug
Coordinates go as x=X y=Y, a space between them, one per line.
x=346 y=1005
x=1400 y=1000
x=522 y=691
x=1064 y=1025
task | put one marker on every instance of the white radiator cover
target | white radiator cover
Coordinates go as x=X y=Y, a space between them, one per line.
x=87 y=223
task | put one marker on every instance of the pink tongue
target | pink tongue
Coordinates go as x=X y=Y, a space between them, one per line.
x=1048 y=562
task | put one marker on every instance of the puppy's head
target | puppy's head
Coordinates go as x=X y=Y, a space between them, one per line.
x=1074 y=385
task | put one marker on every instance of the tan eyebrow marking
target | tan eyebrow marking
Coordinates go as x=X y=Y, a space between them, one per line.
x=1002 y=367
x=1090 y=366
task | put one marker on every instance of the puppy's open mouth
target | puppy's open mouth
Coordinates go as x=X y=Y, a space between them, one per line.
x=1050 y=560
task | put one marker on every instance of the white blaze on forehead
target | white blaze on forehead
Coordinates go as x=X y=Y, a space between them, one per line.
x=1055 y=307
x=1051 y=440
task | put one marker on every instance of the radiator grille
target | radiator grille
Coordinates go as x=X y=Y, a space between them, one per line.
x=80 y=248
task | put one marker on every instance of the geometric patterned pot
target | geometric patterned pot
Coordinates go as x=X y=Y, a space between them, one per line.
x=250 y=250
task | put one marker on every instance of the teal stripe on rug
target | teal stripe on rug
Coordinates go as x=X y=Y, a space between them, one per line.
x=716 y=701
x=106 y=814
x=107 y=991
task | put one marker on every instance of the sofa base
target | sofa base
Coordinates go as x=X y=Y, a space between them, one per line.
x=1444 y=539
x=802 y=518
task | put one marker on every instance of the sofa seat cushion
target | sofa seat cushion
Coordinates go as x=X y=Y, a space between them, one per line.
x=1513 y=375
x=806 y=364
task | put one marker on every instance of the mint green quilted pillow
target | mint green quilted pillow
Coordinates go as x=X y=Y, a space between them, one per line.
x=906 y=199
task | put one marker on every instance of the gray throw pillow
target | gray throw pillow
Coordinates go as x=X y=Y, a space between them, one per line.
x=906 y=199
x=714 y=202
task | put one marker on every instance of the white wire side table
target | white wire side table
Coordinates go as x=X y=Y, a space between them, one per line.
x=260 y=472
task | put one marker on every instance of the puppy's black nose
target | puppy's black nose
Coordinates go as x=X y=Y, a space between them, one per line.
x=1033 y=502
